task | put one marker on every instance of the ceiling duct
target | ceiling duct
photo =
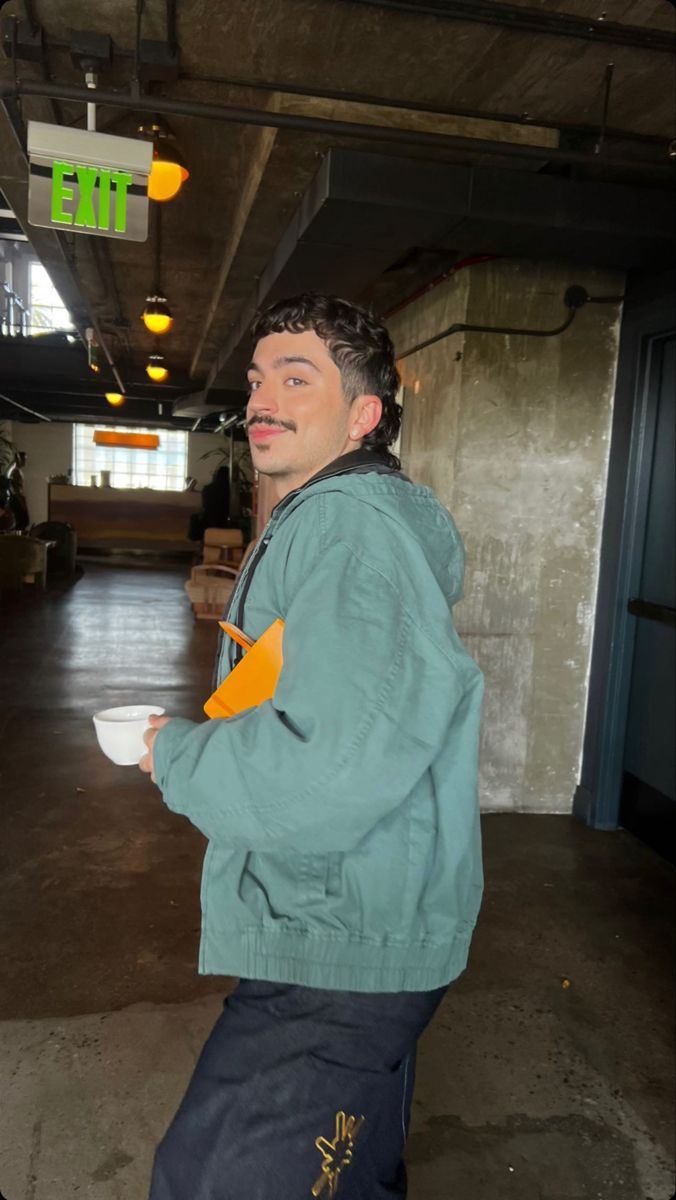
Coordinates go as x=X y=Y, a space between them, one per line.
x=364 y=211
x=194 y=405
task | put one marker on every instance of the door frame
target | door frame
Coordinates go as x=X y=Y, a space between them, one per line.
x=648 y=321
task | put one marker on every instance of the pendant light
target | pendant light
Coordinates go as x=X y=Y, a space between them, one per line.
x=157 y=316
x=168 y=172
x=155 y=368
x=115 y=398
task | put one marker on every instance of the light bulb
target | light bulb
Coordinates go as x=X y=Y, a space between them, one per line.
x=157 y=323
x=156 y=369
x=157 y=316
x=166 y=178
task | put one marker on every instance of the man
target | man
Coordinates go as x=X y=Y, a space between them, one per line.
x=343 y=876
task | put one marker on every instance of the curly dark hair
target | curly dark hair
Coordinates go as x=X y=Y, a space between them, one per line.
x=360 y=347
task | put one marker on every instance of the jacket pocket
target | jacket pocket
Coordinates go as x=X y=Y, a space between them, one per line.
x=318 y=877
x=374 y=880
x=422 y=836
x=285 y=890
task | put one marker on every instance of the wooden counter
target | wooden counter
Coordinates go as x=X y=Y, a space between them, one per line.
x=108 y=518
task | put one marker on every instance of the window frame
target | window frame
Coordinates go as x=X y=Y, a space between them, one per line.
x=164 y=469
x=57 y=315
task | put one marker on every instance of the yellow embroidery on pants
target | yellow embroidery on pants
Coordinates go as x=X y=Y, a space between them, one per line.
x=337 y=1154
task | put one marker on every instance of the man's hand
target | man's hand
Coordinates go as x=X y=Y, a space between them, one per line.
x=146 y=763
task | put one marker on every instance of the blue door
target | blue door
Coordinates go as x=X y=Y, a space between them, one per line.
x=648 y=800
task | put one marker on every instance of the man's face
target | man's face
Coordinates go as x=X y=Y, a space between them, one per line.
x=297 y=417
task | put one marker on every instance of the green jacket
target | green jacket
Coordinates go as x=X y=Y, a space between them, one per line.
x=342 y=816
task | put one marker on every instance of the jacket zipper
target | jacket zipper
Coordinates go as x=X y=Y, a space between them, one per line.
x=246 y=584
x=242 y=589
x=247 y=577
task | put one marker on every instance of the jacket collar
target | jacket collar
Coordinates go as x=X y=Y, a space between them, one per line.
x=345 y=464
x=356 y=462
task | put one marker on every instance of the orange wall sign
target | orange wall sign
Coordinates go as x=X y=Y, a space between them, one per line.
x=131 y=441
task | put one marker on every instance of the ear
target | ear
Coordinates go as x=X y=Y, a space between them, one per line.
x=366 y=413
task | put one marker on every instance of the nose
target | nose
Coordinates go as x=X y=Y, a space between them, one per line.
x=263 y=402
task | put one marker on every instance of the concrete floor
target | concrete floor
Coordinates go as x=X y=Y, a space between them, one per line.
x=546 y=1075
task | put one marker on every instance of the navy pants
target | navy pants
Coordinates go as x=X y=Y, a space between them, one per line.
x=299 y=1094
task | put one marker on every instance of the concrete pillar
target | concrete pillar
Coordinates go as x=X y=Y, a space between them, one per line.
x=513 y=435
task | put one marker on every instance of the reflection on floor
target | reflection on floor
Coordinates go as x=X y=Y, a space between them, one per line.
x=547 y=1074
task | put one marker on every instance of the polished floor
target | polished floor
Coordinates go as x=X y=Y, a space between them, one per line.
x=547 y=1074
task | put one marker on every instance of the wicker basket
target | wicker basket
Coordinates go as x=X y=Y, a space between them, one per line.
x=209 y=588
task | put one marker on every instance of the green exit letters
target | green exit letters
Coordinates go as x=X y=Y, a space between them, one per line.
x=88 y=183
x=90 y=197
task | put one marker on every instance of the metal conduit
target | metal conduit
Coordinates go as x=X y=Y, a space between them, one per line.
x=528 y=121
x=410 y=105
x=460 y=327
x=533 y=20
x=33 y=413
x=305 y=124
x=575 y=298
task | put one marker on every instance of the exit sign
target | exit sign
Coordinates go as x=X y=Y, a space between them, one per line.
x=88 y=182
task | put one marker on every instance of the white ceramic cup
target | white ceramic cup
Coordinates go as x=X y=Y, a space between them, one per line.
x=120 y=731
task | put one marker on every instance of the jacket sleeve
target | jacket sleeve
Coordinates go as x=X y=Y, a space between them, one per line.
x=362 y=706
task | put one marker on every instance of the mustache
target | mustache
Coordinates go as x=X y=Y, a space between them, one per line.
x=271 y=424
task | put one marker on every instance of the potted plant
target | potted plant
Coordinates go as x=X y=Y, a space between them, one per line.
x=240 y=486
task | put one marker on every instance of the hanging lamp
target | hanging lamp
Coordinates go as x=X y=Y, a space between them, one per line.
x=157 y=316
x=168 y=172
x=155 y=368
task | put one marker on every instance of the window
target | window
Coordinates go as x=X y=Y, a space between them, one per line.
x=164 y=468
x=47 y=310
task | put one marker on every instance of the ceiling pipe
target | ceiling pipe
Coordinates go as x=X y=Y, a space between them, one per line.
x=528 y=120
x=412 y=105
x=607 y=85
x=172 y=39
x=33 y=413
x=139 y=392
x=532 y=20
x=575 y=298
x=305 y=124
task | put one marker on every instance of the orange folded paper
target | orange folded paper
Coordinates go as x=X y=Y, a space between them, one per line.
x=254 y=679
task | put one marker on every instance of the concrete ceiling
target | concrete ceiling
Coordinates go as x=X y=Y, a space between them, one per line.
x=519 y=73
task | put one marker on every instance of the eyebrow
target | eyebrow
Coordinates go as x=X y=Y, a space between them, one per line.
x=285 y=361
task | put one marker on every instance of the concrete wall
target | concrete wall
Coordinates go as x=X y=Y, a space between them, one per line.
x=513 y=435
x=50 y=451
